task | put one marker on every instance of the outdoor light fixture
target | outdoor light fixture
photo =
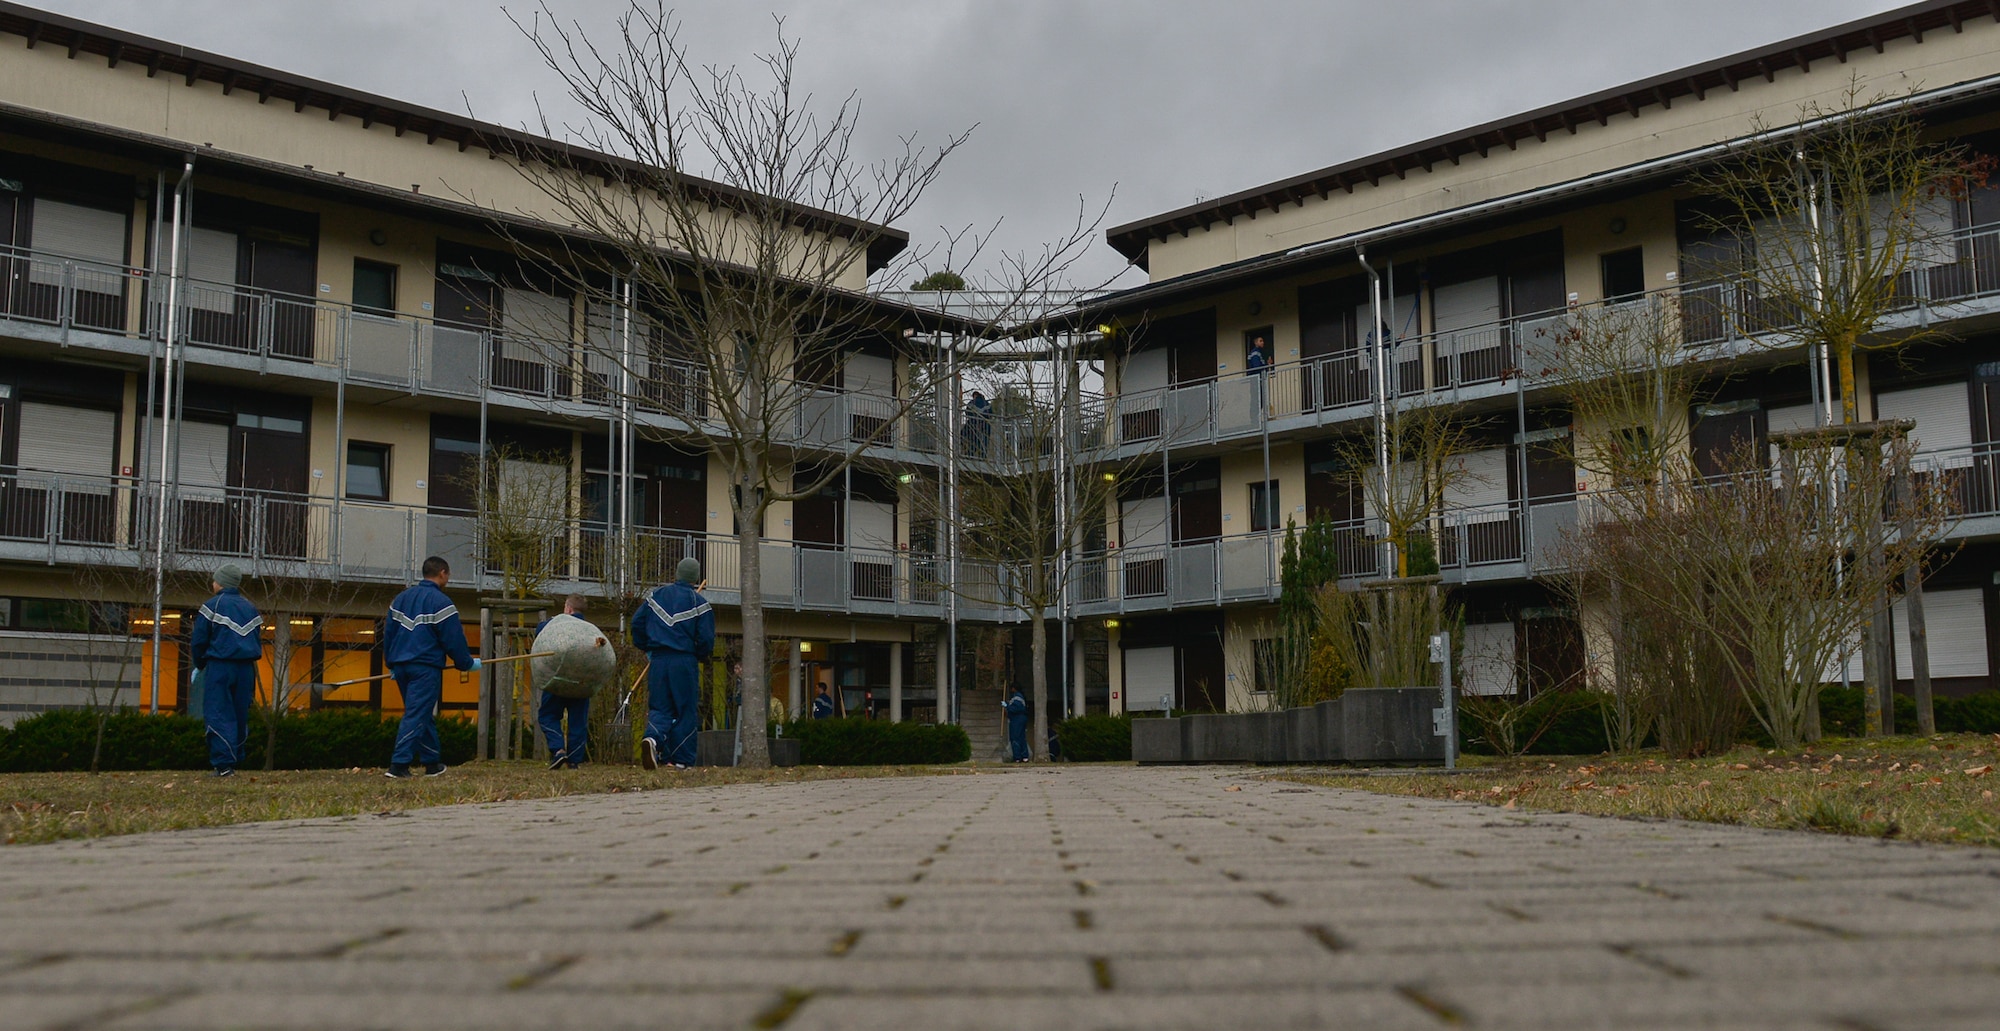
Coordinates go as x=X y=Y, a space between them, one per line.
x=1110 y=624
x=905 y=477
x=1111 y=477
x=805 y=646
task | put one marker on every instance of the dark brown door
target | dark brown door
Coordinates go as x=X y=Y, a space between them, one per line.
x=1194 y=351
x=271 y=471
x=1197 y=514
x=284 y=276
x=678 y=504
x=1202 y=687
x=13 y=271
x=816 y=520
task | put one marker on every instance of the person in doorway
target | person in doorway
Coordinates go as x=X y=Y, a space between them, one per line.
x=227 y=641
x=1257 y=360
x=1017 y=725
x=978 y=424
x=676 y=628
x=822 y=704
x=422 y=631
x=571 y=748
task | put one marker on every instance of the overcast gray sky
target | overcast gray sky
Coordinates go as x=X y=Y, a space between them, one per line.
x=1165 y=100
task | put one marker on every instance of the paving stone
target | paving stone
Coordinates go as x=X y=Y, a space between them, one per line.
x=1118 y=897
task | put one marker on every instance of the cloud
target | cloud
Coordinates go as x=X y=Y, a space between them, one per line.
x=1168 y=100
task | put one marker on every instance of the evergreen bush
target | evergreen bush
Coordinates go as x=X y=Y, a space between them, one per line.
x=1096 y=739
x=62 y=740
x=854 y=741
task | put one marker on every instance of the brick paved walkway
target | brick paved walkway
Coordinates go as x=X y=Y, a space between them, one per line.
x=1156 y=898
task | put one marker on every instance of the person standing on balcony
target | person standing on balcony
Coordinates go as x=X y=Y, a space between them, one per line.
x=422 y=631
x=676 y=627
x=1256 y=361
x=564 y=749
x=1016 y=708
x=978 y=424
x=227 y=641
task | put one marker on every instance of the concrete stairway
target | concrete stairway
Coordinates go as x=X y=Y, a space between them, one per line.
x=979 y=714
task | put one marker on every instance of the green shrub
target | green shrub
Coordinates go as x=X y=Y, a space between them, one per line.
x=860 y=742
x=1559 y=723
x=1096 y=739
x=322 y=739
x=1841 y=713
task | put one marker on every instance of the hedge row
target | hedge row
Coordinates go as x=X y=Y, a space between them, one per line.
x=1096 y=739
x=861 y=742
x=321 y=739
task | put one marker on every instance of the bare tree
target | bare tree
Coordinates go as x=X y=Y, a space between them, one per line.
x=1426 y=445
x=723 y=236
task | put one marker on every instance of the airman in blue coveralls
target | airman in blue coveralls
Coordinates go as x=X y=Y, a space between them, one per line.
x=422 y=631
x=565 y=749
x=228 y=640
x=1017 y=726
x=676 y=628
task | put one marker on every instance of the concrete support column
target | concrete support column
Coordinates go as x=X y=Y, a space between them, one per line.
x=943 y=675
x=794 y=672
x=895 y=681
x=1114 y=665
x=1076 y=675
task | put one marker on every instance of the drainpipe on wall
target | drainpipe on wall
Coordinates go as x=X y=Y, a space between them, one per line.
x=168 y=420
x=1381 y=358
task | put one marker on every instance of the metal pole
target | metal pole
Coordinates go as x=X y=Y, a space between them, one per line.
x=1388 y=547
x=949 y=713
x=166 y=440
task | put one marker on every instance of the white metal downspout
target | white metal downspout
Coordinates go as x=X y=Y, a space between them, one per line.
x=1381 y=357
x=168 y=421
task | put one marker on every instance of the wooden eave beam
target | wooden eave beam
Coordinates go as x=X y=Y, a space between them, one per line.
x=263 y=91
x=1799 y=58
x=1695 y=87
x=193 y=71
x=299 y=105
x=34 y=34
x=1875 y=39
x=1770 y=73
x=117 y=51
x=75 y=44
x=229 y=82
x=153 y=65
x=1916 y=31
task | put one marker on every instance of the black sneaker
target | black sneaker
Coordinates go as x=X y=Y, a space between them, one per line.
x=398 y=771
x=649 y=754
x=434 y=769
x=225 y=771
x=557 y=760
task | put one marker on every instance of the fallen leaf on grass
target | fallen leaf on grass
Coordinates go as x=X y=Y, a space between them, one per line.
x=1510 y=803
x=1979 y=771
x=1234 y=787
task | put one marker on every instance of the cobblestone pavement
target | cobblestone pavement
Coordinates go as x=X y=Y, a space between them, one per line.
x=1027 y=898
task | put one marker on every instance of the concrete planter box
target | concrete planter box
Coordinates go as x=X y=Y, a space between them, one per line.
x=1156 y=741
x=1302 y=735
x=1332 y=733
x=1201 y=739
x=1267 y=736
x=718 y=748
x=1389 y=724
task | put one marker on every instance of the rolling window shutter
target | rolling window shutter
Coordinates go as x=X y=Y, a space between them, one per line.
x=873 y=525
x=1488 y=658
x=1146 y=370
x=870 y=374
x=1943 y=417
x=541 y=319
x=71 y=441
x=1481 y=482
x=204 y=457
x=211 y=269
x=74 y=231
x=1465 y=305
x=1149 y=676
x=1955 y=627
x=1143 y=523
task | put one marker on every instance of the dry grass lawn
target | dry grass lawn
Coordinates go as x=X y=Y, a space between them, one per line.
x=1937 y=789
x=41 y=807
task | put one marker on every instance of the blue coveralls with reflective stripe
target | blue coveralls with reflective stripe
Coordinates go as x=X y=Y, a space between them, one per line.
x=676 y=627
x=227 y=641
x=422 y=631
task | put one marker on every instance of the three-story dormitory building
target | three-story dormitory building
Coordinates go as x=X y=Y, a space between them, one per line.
x=357 y=337
x=1481 y=240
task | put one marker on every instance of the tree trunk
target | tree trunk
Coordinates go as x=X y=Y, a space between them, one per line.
x=1843 y=358
x=281 y=678
x=1885 y=662
x=756 y=650
x=1038 y=728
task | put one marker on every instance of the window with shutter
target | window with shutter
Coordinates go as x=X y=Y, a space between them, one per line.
x=1149 y=678
x=211 y=269
x=74 y=231
x=68 y=441
x=1943 y=417
x=1954 y=627
x=203 y=448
